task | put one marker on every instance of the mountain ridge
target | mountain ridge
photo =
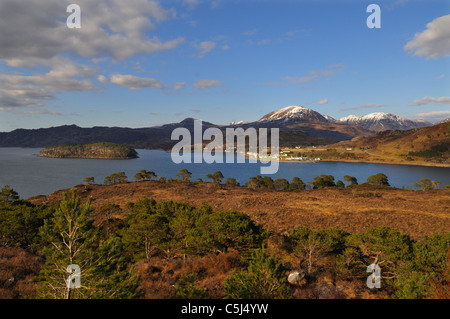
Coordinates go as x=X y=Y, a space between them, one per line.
x=299 y=126
x=381 y=121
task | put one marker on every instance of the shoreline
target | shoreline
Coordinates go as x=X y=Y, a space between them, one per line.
x=423 y=164
x=99 y=158
x=372 y=162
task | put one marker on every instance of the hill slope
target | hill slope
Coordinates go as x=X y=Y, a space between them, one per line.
x=423 y=145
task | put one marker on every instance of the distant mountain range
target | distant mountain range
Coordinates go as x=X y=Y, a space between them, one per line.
x=383 y=121
x=298 y=126
x=375 y=122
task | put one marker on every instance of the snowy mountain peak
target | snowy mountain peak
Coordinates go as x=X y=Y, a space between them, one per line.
x=382 y=121
x=293 y=113
x=349 y=118
x=378 y=121
x=330 y=119
x=238 y=123
x=443 y=121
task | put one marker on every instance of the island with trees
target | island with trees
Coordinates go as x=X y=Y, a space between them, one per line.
x=103 y=150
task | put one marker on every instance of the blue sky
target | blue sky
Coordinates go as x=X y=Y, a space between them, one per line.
x=141 y=63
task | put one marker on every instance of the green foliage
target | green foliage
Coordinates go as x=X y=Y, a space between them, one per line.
x=223 y=230
x=146 y=232
x=429 y=262
x=185 y=288
x=217 y=177
x=255 y=182
x=340 y=184
x=296 y=184
x=184 y=175
x=438 y=150
x=231 y=181
x=172 y=227
x=8 y=195
x=323 y=181
x=93 y=150
x=351 y=180
x=309 y=245
x=379 y=179
x=281 y=184
x=267 y=182
x=264 y=279
x=144 y=175
x=115 y=178
x=424 y=184
x=383 y=245
x=19 y=224
x=71 y=238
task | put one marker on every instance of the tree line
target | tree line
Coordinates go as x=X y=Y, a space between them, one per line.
x=258 y=181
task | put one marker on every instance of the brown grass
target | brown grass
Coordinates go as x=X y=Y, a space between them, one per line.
x=160 y=275
x=415 y=213
x=17 y=271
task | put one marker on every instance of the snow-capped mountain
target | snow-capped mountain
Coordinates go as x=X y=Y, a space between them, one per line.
x=330 y=119
x=293 y=113
x=444 y=121
x=238 y=123
x=383 y=121
x=372 y=122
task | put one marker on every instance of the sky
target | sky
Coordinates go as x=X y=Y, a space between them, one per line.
x=141 y=63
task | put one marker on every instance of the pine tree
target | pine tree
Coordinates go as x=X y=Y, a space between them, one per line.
x=72 y=239
x=8 y=195
x=264 y=279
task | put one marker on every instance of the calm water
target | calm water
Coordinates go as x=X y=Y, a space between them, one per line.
x=30 y=175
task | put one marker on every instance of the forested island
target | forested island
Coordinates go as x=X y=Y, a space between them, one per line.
x=93 y=150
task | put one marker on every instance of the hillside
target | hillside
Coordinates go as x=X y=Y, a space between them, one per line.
x=207 y=231
x=421 y=146
x=352 y=209
x=94 y=150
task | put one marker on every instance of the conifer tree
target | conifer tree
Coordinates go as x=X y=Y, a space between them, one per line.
x=72 y=239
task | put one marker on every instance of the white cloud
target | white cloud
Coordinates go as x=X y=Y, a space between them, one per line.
x=313 y=75
x=135 y=83
x=434 y=42
x=263 y=42
x=205 y=47
x=296 y=79
x=216 y=3
x=109 y=28
x=41 y=112
x=250 y=32
x=103 y=79
x=17 y=90
x=207 y=84
x=179 y=85
x=321 y=102
x=190 y=4
x=428 y=99
x=434 y=116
